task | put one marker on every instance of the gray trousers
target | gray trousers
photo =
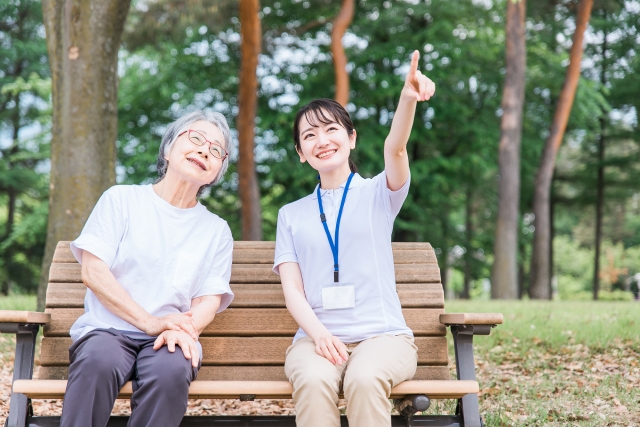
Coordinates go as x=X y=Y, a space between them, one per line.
x=104 y=359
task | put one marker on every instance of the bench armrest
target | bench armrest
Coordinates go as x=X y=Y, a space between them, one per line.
x=24 y=317
x=25 y=324
x=471 y=319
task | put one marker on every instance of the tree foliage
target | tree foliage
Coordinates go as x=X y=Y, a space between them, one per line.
x=177 y=56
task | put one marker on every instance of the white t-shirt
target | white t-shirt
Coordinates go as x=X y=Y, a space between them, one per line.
x=365 y=255
x=161 y=255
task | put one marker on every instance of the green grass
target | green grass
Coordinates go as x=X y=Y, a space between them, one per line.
x=18 y=302
x=558 y=363
x=592 y=323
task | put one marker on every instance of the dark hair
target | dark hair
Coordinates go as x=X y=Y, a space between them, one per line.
x=324 y=111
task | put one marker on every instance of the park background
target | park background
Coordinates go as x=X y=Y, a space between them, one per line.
x=67 y=134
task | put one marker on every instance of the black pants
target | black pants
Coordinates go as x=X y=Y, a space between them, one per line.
x=104 y=359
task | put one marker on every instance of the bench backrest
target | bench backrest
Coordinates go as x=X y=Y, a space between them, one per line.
x=248 y=340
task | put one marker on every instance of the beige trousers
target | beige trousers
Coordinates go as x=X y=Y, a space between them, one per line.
x=374 y=367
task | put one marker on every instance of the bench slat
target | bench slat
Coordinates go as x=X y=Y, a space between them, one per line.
x=262 y=273
x=452 y=389
x=246 y=351
x=263 y=253
x=412 y=295
x=251 y=322
x=247 y=373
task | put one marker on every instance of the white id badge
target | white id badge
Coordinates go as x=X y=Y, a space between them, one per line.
x=335 y=297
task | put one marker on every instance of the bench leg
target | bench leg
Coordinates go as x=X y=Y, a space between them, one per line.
x=22 y=370
x=466 y=370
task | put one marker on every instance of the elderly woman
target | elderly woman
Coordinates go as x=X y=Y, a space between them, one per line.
x=157 y=266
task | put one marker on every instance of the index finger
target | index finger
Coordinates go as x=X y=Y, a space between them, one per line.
x=415 y=59
x=159 y=342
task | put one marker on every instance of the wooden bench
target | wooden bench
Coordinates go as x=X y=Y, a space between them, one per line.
x=244 y=347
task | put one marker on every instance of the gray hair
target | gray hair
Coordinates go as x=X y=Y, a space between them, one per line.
x=174 y=129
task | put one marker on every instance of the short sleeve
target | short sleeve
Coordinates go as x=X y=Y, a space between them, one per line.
x=103 y=231
x=285 y=250
x=392 y=200
x=219 y=274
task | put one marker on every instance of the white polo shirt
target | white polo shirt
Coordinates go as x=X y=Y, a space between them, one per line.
x=365 y=255
x=161 y=255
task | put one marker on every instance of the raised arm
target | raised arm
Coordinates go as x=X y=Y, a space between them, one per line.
x=97 y=276
x=417 y=87
x=327 y=345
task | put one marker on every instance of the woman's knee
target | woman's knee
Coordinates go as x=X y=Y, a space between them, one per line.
x=170 y=369
x=360 y=380
x=99 y=355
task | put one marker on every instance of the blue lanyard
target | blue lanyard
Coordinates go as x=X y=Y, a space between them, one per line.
x=323 y=218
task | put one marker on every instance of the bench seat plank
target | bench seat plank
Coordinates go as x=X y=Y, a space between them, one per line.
x=263 y=253
x=249 y=322
x=262 y=273
x=412 y=295
x=246 y=350
x=450 y=389
x=247 y=373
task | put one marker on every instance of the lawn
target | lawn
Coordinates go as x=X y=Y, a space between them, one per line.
x=550 y=363
x=559 y=363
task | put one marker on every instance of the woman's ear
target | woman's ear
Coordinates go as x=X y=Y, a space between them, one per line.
x=352 y=139
x=302 y=157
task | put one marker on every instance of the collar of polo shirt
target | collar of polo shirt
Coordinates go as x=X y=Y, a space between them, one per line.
x=355 y=183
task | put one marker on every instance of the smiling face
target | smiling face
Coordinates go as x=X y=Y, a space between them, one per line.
x=324 y=142
x=192 y=162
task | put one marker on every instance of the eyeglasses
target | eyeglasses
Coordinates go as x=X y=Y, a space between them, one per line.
x=198 y=139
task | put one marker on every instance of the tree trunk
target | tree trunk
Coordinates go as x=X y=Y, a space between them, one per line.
x=504 y=275
x=599 y=207
x=552 y=235
x=600 y=184
x=251 y=32
x=444 y=258
x=468 y=229
x=540 y=267
x=12 y=195
x=340 y=25
x=83 y=38
x=8 y=252
x=521 y=274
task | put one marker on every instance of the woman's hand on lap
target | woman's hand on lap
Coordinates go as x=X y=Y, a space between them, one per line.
x=183 y=340
x=331 y=348
x=417 y=85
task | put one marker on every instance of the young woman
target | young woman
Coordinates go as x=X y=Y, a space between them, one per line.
x=157 y=265
x=333 y=253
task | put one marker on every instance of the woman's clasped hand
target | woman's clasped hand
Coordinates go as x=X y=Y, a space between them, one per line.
x=154 y=326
